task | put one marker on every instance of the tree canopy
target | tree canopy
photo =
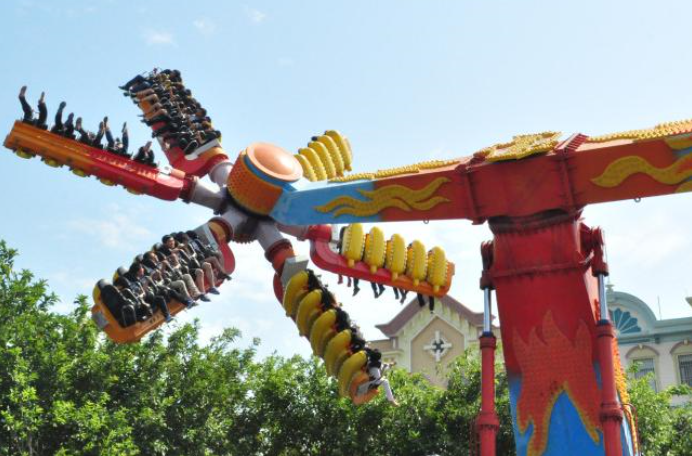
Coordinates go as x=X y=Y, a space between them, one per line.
x=66 y=390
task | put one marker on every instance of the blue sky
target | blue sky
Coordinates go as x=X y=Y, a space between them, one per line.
x=404 y=80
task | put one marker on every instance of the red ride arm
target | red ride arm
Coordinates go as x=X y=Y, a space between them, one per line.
x=84 y=160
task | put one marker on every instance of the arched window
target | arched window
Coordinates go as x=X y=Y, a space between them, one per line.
x=682 y=357
x=685 y=366
x=646 y=360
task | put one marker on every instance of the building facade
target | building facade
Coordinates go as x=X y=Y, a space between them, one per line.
x=662 y=347
x=426 y=342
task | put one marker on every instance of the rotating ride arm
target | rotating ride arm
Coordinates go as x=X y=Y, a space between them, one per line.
x=267 y=190
x=85 y=160
x=369 y=256
x=327 y=326
x=313 y=308
x=108 y=313
x=179 y=123
x=183 y=129
x=526 y=176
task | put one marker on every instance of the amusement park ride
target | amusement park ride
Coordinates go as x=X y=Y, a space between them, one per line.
x=567 y=389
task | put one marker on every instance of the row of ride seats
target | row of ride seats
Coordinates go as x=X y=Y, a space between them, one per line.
x=171 y=110
x=182 y=268
x=68 y=128
x=395 y=256
x=333 y=337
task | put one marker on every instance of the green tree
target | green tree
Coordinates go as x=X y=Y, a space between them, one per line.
x=663 y=430
x=66 y=390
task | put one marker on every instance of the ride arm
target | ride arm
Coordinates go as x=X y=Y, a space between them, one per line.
x=371 y=258
x=197 y=161
x=318 y=317
x=108 y=322
x=528 y=175
x=83 y=160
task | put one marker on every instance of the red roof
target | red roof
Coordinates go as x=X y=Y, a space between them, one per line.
x=412 y=308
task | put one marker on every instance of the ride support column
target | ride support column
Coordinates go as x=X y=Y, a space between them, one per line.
x=548 y=304
x=611 y=411
x=487 y=422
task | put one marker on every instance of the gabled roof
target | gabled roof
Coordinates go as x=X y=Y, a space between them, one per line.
x=412 y=308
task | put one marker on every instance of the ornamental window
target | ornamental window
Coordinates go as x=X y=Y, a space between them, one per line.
x=646 y=367
x=685 y=366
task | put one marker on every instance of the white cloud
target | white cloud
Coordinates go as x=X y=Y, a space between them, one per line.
x=158 y=37
x=256 y=16
x=67 y=285
x=116 y=229
x=204 y=26
x=68 y=278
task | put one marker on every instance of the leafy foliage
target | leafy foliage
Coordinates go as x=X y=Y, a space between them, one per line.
x=663 y=430
x=66 y=390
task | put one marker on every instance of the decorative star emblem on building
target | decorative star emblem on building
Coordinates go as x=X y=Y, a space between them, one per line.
x=438 y=346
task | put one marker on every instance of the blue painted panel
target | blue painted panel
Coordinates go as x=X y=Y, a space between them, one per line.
x=297 y=207
x=567 y=435
x=521 y=440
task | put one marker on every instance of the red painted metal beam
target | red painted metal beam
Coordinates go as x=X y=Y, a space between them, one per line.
x=84 y=160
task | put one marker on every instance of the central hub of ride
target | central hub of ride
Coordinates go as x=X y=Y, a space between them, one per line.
x=259 y=176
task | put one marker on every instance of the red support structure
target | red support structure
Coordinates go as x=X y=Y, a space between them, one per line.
x=487 y=423
x=544 y=270
x=611 y=413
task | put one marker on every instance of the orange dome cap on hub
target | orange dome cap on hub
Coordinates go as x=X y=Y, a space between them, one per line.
x=274 y=162
x=259 y=175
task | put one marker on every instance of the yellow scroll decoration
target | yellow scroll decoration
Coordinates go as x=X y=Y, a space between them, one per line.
x=398 y=196
x=521 y=146
x=409 y=169
x=624 y=167
x=659 y=131
x=686 y=187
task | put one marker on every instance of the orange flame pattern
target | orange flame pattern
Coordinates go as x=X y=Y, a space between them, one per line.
x=549 y=367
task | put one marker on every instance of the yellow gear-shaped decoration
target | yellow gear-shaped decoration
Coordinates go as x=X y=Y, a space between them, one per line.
x=416 y=262
x=437 y=268
x=395 y=260
x=308 y=311
x=327 y=156
x=374 y=249
x=315 y=313
x=334 y=153
x=308 y=170
x=315 y=163
x=344 y=147
x=294 y=292
x=353 y=243
x=336 y=349
x=349 y=368
x=431 y=267
x=321 y=330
